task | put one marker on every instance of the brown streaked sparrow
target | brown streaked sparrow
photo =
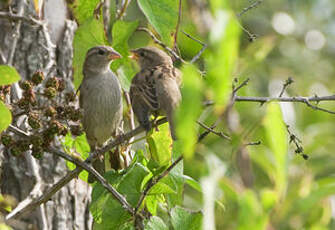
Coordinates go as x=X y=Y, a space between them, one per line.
x=155 y=89
x=100 y=100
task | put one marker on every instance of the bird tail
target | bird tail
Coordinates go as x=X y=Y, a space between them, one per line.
x=172 y=125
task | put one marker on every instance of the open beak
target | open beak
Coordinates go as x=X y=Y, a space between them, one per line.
x=114 y=55
x=133 y=55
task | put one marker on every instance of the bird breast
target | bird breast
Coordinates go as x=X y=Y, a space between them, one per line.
x=102 y=107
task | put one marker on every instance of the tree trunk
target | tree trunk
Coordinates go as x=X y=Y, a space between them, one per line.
x=28 y=48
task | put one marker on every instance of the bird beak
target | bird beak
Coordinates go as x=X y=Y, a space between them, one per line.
x=114 y=55
x=133 y=55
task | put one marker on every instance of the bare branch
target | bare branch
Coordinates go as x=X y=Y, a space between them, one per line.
x=204 y=46
x=288 y=82
x=74 y=173
x=252 y=6
x=211 y=130
x=156 y=40
x=123 y=9
x=155 y=180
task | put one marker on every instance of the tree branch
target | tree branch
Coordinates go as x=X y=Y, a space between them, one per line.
x=74 y=173
x=156 y=40
x=155 y=180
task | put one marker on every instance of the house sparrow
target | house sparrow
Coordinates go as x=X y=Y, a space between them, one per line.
x=100 y=99
x=155 y=89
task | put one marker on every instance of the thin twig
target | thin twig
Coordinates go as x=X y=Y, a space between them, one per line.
x=244 y=83
x=220 y=134
x=204 y=46
x=288 y=82
x=123 y=10
x=19 y=17
x=119 y=197
x=153 y=181
x=252 y=6
x=74 y=173
x=156 y=40
x=299 y=99
x=229 y=106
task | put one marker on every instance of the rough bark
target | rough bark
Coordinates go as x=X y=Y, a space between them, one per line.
x=23 y=176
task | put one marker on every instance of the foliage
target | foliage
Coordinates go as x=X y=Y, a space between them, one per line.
x=222 y=182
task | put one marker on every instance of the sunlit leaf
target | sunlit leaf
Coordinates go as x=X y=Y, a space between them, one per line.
x=83 y=9
x=276 y=135
x=8 y=75
x=189 y=110
x=184 y=219
x=160 y=145
x=162 y=14
x=251 y=215
x=156 y=223
x=5 y=117
x=222 y=61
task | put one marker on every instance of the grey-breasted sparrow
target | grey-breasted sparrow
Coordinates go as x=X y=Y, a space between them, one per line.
x=155 y=89
x=100 y=99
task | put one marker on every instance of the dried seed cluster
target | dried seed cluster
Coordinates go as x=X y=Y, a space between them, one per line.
x=50 y=112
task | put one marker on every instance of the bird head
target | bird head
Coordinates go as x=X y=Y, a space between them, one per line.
x=148 y=57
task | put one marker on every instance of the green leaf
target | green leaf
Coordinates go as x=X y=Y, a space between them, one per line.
x=189 y=111
x=251 y=215
x=193 y=183
x=106 y=210
x=88 y=35
x=83 y=9
x=161 y=188
x=8 y=75
x=183 y=219
x=162 y=15
x=151 y=203
x=175 y=180
x=121 y=32
x=156 y=223
x=81 y=146
x=160 y=145
x=221 y=62
x=5 y=117
x=276 y=135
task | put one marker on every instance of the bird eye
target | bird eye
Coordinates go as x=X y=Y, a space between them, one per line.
x=101 y=52
x=141 y=54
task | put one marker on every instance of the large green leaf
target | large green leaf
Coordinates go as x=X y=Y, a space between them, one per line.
x=106 y=210
x=162 y=14
x=121 y=32
x=81 y=147
x=183 y=219
x=5 y=117
x=8 y=75
x=89 y=34
x=221 y=62
x=156 y=223
x=189 y=110
x=83 y=9
x=160 y=145
x=251 y=215
x=276 y=135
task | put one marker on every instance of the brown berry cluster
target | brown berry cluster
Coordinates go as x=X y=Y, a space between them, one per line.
x=4 y=91
x=50 y=112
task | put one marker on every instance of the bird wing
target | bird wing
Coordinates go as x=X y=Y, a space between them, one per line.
x=143 y=87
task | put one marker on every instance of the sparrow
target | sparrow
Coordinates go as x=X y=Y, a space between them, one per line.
x=100 y=100
x=155 y=89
